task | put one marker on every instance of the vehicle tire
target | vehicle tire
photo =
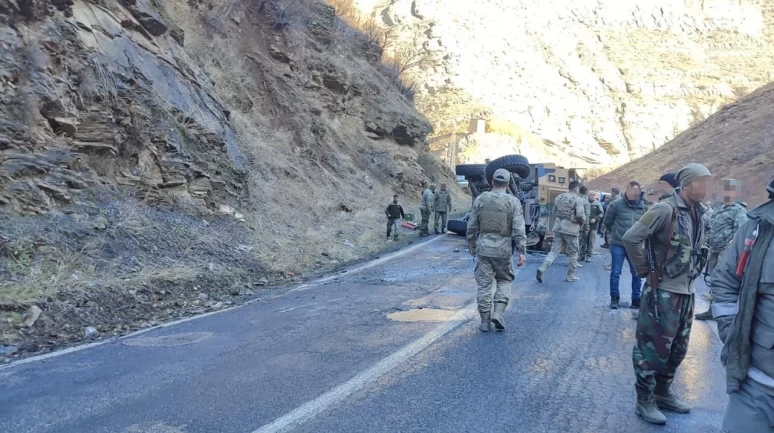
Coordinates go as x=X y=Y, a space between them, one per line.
x=470 y=170
x=459 y=227
x=514 y=163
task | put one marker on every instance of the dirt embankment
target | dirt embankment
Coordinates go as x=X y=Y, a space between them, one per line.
x=160 y=159
x=736 y=142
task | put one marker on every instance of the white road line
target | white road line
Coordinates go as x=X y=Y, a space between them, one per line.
x=312 y=408
x=335 y=396
x=307 y=286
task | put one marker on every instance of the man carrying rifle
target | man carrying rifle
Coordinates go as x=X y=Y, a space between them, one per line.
x=673 y=258
x=495 y=232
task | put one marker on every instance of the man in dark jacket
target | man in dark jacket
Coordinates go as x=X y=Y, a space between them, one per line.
x=666 y=185
x=394 y=214
x=620 y=216
x=743 y=294
x=616 y=193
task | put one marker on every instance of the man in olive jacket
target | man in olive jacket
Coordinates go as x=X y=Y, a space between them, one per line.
x=620 y=217
x=743 y=293
x=667 y=245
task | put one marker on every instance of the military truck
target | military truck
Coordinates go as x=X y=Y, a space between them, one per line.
x=536 y=185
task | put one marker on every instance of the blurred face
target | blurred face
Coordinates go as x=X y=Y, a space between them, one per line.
x=730 y=193
x=608 y=199
x=616 y=191
x=395 y=199
x=664 y=187
x=593 y=197
x=633 y=192
x=443 y=187
x=699 y=189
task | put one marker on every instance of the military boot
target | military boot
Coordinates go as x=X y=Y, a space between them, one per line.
x=647 y=409
x=707 y=315
x=572 y=279
x=666 y=400
x=395 y=239
x=578 y=265
x=614 y=303
x=540 y=272
x=497 y=317
x=486 y=322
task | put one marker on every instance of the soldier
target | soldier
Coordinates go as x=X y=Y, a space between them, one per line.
x=721 y=228
x=621 y=215
x=743 y=286
x=495 y=231
x=394 y=214
x=672 y=258
x=426 y=208
x=609 y=199
x=584 y=233
x=443 y=205
x=595 y=216
x=666 y=185
x=570 y=216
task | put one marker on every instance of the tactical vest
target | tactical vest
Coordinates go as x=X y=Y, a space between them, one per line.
x=685 y=257
x=495 y=214
x=565 y=208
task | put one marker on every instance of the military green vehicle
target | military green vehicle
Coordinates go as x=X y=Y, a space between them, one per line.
x=536 y=185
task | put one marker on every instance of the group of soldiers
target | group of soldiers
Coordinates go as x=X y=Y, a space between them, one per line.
x=439 y=202
x=668 y=244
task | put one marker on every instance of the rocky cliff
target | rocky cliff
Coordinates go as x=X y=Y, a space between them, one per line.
x=737 y=142
x=159 y=159
x=583 y=83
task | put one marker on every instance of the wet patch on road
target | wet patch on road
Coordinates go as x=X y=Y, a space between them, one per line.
x=173 y=340
x=422 y=315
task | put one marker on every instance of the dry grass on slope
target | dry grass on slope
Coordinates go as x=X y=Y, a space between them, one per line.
x=736 y=142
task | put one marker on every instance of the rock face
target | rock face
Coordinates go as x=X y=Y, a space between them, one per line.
x=734 y=143
x=588 y=83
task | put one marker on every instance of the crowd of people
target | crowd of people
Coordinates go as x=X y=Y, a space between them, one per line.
x=668 y=243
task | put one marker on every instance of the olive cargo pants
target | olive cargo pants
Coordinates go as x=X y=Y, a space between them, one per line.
x=488 y=271
x=571 y=243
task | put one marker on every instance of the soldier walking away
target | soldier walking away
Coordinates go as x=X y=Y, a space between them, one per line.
x=666 y=185
x=443 y=205
x=584 y=233
x=570 y=216
x=426 y=208
x=595 y=216
x=394 y=214
x=621 y=215
x=721 y=228
x=672 y=259
x=743 y=286
x=495 y=232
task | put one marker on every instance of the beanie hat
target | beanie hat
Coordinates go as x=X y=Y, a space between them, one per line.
x=690 y=172
x=671 y=179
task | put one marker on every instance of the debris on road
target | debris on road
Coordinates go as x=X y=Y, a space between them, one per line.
x=31 y=316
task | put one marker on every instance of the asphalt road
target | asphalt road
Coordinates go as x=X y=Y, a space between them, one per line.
x=390 y=348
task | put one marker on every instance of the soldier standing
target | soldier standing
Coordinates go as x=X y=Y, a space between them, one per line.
x=595 y=215
x=570 y=216
x=743 y=286
x=443 y=205
x=721 y=228
x=394 y=214
x=584 y=233
x=672 y=259
x=426 y=208
x=496 y=224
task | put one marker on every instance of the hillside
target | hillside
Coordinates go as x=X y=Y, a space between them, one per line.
x=736 y=142
x=580 y=83
x=161 y=159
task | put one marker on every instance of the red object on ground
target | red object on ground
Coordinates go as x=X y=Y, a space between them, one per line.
x=407 y=225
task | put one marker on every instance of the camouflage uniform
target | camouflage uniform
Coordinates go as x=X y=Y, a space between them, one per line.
x=426 y=208
x=443 y=205
x=570 y=218
x=584 y=235
x=723 y=224
x=496 y=224
x=587 y=245
x=666 y=311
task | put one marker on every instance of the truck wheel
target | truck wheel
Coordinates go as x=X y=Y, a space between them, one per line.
x=516 y=164
x=470 y=170
x=459 y=227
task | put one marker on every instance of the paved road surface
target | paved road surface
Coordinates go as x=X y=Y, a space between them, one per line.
x=391 y=348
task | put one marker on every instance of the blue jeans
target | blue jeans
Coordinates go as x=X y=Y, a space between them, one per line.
x=619 y=254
